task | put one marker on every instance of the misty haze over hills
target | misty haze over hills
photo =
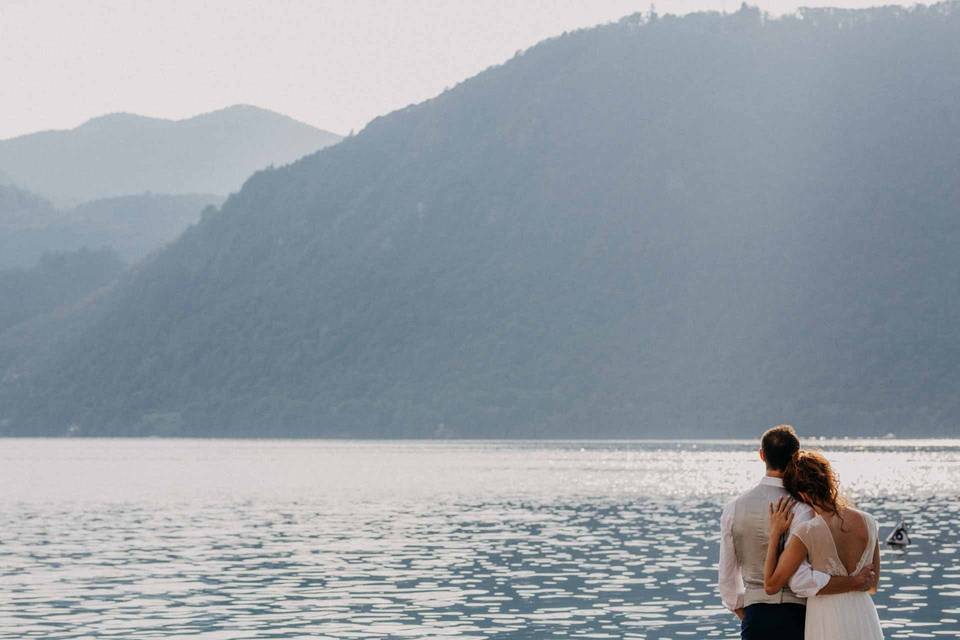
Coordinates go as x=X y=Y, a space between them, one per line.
x=689 y=226
x=133 y=183
x=123 y=154
x=132 y=225
x=54 y=257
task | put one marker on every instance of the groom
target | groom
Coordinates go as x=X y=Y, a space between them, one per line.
x=743 y=550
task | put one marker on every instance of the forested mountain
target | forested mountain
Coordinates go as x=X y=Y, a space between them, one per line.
x=133 y=226
x=122 y=154
x=57 y=281
x=21 y=209
x=683 y=226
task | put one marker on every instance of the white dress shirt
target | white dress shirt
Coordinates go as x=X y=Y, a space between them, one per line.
x=805 y=582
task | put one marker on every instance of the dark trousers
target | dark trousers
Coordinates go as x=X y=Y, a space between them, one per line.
x=773 y=622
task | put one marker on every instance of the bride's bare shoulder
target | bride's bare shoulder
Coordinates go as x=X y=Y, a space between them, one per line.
x=860 y=517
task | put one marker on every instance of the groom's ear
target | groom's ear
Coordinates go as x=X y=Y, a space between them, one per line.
x=762 y=457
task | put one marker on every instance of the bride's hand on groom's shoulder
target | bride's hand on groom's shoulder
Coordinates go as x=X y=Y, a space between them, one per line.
x=781 y=516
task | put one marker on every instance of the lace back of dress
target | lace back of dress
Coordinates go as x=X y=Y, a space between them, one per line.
x=822 y=552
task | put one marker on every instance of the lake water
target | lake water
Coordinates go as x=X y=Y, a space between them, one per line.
x=333 y=539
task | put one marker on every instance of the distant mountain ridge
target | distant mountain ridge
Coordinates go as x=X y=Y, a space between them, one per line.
x=122 y=154
x=687 y=226
x=132 y=225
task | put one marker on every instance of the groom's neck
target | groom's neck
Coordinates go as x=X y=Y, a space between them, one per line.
x=774 y=473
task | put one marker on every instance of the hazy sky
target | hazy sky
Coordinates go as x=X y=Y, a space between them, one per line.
x=334 y=64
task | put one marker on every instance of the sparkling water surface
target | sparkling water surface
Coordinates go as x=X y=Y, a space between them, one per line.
x=340 y=539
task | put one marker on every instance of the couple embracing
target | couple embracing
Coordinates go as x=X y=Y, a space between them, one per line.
x=797 y=562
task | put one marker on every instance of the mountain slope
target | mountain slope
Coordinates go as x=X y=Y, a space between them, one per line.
x=689 y=226
x=136 y=225
x=122 y=154
x=133 y=226
x=21 y=209
x=60 y=279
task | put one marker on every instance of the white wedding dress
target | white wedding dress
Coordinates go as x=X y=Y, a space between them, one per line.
x=846 y=616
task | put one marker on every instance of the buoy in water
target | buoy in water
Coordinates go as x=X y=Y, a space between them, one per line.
x=898 y=537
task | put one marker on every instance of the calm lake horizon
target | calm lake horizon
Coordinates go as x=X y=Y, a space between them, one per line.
x=243 y=538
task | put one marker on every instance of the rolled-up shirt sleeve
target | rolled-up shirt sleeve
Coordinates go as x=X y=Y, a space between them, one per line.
x=805 y=582
x=730 y=580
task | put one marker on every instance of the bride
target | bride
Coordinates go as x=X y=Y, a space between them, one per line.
x=839 y=541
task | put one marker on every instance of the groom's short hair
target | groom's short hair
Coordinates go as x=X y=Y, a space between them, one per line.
x=779 y=444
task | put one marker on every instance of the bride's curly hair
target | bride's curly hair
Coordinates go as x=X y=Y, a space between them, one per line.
x=809 y=477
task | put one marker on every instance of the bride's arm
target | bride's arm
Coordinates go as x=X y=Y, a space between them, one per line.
x=876 y=568
x=778 y=568
x=777 y=571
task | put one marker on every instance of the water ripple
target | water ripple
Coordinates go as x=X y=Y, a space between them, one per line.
x=133 y=539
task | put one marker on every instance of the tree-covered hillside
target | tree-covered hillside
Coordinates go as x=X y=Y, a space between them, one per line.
x=121 y=154
x=57 y=281
x=692 y=226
